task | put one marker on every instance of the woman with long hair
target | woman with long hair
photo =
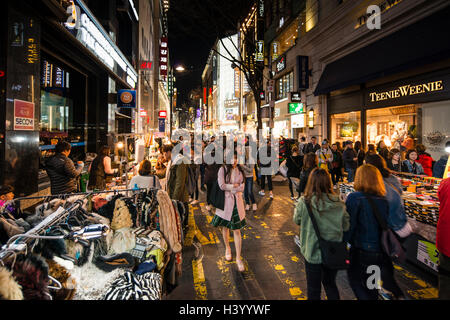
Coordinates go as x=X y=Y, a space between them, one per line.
x=364 y=235
x=383 y=150
x=99 y=169
x=360 y=154
x=294 y=165
x=425 y=159
x=231 y=180
x=248 y=170
x=394 y=162
x=310 y=162
x=332 y=220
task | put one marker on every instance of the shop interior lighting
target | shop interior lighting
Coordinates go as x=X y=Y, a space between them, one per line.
x=120 y=145
x=447 y=147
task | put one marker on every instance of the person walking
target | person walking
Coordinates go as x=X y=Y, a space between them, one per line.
x=203 y=168
x=360 y=154
x=313 y=146
x=394 y=162
x=425 y=160
x=294 y=165
x=443 y=239
x=332 y=220
x=325 y=156
x=410 y=165
x=266 y=173
x=310 y=162
x=145 y=179
x=339 y=147
x=397 y=219
x=364 y=234
x=211 y=171
x=350 y=161
x=177 y=177
x=195 y=168
x=383 y=150
x=301 y=146
x=248 y=191
x=61 y=170
x=336 y=164
x=371 y=149
x=99 y=170
x=231 y=179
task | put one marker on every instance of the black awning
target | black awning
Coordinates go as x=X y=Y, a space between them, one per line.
x=423 y=42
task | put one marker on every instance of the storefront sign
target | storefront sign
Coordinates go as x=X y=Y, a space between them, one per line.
x=93 y=36
x=261 y=8
x=296 y=97
x=303 y=72
x=406 y=90
x=146 y=65
x=275 y=50
x=296 y=107
x=298 y=120
x=260 y=51
x=281 y=64
x=162 y=125
x=23 y=115
x=163 y=56
x=126 y=98
x=428 y=254
x=237 y=83
x=231 y=103
x=142 y=113
x=162 y=114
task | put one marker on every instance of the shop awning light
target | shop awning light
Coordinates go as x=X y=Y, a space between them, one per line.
x=447 y=147
x=134 y=10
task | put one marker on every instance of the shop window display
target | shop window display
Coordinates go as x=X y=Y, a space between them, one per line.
x=391 y=125
x=284 y=85
x=346 y=126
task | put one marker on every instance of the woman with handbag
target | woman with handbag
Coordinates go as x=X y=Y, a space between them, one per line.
x=337 y=165
x=332 y=220
x=366 y=207
x=310 y=162
x=294 y=165
x=231 y=180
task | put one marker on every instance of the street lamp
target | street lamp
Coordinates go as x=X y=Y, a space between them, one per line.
x=180 y=68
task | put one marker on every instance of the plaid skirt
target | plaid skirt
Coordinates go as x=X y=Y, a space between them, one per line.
x=234 y=224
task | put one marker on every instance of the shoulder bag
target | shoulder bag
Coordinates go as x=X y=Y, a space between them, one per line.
x=218 y=195
x=389 y=242
x=334 y=254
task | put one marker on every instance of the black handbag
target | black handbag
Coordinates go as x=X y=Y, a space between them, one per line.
x=389 y=242
x=217 y=196
x=334 y=254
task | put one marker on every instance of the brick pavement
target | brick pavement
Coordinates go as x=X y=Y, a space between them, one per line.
x=275 y=268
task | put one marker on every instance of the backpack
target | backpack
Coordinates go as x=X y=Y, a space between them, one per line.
x=190 y=183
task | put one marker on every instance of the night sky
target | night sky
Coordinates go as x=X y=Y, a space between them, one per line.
x=194 y=26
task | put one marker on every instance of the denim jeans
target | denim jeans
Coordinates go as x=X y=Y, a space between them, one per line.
x=317 y=274
x=351 y=174
x=248 y=191
x=336 y=175
x=291 y=189
x=194 y=195
x=263 y=182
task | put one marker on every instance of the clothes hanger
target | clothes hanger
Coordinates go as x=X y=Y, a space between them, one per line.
x=58 y=287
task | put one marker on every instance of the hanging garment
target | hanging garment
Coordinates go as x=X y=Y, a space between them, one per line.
x=124 y=240
x=136 y=287
x=31 y=272
x=9 y=288
x=121 y=216
x=168 y=221
x=67 y=292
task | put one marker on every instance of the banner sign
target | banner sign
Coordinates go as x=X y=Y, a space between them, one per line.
x=163 y=56
x=162 y=114
x=428 y=254
x=303 y=72
x=296 y=107
x=296 y=97
x=237 y=83
x=281 y=64
x=126 y=98
x=162 y=125
x=260 y=51
x=23 y=115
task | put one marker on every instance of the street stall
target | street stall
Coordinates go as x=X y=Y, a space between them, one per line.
x=106 y=245
x=422 y=208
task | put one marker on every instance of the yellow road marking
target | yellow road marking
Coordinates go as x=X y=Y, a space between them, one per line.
x=295 y=258
x=264 y=225
x=224 y=267
x=295 y=292
x=289 y=233
x=427 y=291
x=199 y=280
x=194 y=231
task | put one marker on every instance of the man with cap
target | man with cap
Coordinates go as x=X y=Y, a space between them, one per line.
x=325 y=156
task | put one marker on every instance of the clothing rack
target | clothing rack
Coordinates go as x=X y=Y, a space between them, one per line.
x=56 y=217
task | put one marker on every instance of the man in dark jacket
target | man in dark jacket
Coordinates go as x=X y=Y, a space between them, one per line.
x=350 y=161
x=61 y=170
x=313 y=146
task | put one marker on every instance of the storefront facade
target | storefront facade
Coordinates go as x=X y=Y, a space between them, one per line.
x=63 y=83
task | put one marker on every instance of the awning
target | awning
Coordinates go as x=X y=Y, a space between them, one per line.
x=421 y=43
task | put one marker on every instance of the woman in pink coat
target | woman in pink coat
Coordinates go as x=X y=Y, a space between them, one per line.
x=231 y=180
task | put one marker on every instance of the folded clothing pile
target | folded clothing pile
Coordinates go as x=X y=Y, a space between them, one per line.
x=136 y=287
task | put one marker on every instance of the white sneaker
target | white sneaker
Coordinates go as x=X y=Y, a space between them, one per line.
x=262 y=193
x=194 y=202
x=271 y=195
x=247 y=207
x=255 y=207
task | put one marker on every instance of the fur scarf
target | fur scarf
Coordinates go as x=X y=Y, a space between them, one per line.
x=31 y=272
x=121 y=217
x=9 y=288
x=168 y=220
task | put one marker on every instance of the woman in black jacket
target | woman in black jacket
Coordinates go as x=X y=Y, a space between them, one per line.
x=383 y=150
x=310 y=162
x=360 y=154
x=294 y=164
x=337 y=164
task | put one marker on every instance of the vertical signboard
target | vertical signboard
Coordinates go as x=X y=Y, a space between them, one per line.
x=126 y=98
x=23 y=115
x=163 y=56
x=260 y=51
x=303 y=72
x=214 y=69
x=237 y=83
x=162 y=125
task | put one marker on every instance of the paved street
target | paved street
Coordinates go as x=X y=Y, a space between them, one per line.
x=274 y=266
